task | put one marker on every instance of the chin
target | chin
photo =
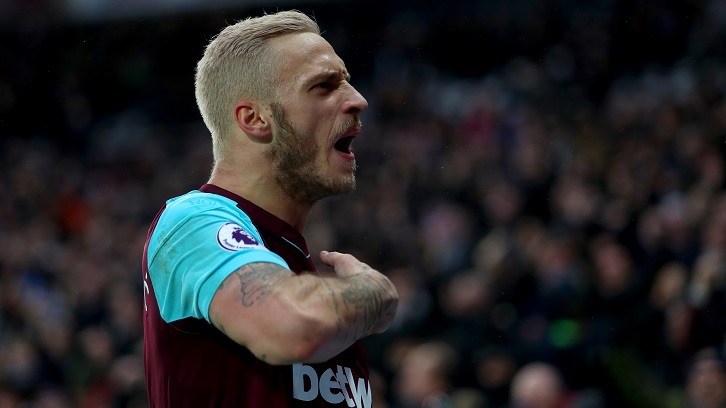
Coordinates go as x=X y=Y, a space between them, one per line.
x=343 y=185
x=314 y=189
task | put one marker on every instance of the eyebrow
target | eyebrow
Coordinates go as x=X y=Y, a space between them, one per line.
x=327 y=76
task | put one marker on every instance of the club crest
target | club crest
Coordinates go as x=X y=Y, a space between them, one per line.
x=232 y=237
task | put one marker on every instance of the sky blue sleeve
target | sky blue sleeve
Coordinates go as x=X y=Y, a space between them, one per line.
x=198 y=241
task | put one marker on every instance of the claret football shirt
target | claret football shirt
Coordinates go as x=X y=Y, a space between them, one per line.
x=193 y=244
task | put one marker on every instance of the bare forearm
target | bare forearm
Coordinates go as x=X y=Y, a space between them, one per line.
x=283 y=318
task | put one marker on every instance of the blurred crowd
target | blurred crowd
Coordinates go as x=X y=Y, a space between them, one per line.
x=555 y=222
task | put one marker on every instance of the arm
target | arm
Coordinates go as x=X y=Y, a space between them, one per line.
x=284 y=318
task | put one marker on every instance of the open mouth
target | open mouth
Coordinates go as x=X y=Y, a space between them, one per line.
x=343 y=145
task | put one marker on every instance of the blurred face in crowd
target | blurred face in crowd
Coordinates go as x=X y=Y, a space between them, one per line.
x=537 y=385
x=706 y=384
x=315 y=120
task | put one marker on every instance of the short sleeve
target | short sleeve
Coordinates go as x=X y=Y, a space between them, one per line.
x=198 y=241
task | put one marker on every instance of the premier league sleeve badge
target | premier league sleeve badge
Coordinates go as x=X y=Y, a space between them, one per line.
x=232 y=237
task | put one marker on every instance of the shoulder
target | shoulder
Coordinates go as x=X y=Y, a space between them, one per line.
x=196 y=215
x=195 y=202
x=195 y=205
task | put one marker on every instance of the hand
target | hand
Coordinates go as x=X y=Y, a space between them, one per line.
x=345 y=265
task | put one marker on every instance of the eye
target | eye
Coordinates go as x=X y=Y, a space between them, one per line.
x=326 y=85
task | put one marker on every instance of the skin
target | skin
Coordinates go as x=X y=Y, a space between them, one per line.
x=280 y=316
x=318 y=101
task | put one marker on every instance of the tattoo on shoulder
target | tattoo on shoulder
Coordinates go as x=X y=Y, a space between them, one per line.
x=257 y=280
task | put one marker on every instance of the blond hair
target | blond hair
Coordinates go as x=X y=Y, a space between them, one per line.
x=238 y=63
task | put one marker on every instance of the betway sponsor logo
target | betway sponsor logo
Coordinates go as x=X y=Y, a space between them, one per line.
x=331 y=386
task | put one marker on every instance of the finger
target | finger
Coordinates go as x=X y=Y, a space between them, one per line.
x=338 y=259
x=328 y=257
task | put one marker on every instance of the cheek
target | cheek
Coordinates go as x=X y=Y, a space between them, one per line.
x=316 y=121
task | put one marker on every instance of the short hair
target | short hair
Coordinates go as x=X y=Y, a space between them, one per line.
x=238 y=63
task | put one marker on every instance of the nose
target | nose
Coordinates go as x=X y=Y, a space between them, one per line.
x=356 y=103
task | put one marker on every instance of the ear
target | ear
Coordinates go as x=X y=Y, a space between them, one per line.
x=251 y=119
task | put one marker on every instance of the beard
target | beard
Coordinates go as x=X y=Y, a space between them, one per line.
x=294 y=166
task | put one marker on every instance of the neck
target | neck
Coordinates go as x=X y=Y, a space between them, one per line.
x=262 y=190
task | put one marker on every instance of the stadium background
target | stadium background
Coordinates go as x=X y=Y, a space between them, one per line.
x=543 y=180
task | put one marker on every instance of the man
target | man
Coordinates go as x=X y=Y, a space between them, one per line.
x=235 y=313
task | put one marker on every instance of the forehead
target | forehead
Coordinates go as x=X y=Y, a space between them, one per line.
x=304 y=56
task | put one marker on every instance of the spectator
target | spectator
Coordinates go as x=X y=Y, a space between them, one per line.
x=424 y=377
x=706 y=381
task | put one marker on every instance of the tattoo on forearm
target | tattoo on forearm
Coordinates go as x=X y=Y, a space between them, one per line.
x=359 y=304
x=340 y=327
x=257 y=280
x=368 y=301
